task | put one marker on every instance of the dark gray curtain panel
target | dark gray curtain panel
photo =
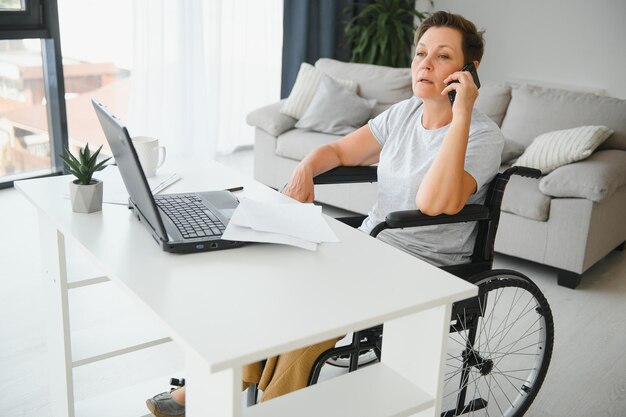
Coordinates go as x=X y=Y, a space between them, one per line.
x=313 y=29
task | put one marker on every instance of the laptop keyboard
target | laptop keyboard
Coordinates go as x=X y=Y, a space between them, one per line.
x=190 y=216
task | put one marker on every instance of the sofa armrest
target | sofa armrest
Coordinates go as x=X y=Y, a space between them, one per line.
x=270 y=119
x=595 y=178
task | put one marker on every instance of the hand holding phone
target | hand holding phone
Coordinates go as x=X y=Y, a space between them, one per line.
x=472 y=70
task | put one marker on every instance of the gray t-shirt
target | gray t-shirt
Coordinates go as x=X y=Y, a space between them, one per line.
x=408 y=151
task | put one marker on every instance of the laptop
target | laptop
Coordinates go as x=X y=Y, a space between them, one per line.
x=180 y=223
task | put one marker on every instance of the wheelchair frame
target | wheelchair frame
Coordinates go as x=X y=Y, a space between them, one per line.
x=466 y=314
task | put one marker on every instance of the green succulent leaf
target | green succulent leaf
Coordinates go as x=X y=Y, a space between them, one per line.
x=85 y=165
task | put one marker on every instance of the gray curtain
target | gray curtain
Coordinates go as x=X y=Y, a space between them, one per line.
x=313 y=29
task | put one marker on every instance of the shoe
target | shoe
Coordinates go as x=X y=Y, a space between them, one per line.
x=163 y=405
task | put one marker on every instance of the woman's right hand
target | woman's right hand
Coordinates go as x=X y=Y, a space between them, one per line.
x=358 y=148
x=300 y=186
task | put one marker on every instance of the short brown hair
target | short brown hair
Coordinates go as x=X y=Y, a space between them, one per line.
x=473 y=42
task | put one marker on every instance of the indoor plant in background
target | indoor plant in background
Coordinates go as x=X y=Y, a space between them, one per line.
x=381 y=32
x=85 y=191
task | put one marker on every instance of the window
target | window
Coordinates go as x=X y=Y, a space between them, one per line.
x=24 y=140
x=32 y=110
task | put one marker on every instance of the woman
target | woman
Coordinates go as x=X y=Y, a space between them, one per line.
x=432 y=155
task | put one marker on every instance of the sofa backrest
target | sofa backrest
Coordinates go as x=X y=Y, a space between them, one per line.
x=386 y=85
x=493 y=100
x=535 y=110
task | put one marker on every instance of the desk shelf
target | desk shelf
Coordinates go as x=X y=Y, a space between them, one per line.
x=80 y=269
x=374 y=391
x=105 y=323
x=114 y=338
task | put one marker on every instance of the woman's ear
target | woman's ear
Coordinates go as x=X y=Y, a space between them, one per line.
x=476 y=64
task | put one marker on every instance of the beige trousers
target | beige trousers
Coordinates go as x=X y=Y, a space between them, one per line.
x=284 y=373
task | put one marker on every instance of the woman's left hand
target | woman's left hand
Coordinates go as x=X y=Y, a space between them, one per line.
x=466 y=91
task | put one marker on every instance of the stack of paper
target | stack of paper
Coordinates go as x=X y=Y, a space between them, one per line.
x=300 y=225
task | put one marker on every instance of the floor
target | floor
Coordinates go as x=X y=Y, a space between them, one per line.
x=587 y=376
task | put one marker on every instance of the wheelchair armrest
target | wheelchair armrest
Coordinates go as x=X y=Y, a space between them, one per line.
x=522 y=172
x=346 y=175
x=415 y=218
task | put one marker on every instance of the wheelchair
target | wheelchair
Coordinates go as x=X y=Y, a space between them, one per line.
x=500 y=342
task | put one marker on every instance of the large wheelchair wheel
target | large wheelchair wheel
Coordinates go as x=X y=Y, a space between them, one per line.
x=499 y=347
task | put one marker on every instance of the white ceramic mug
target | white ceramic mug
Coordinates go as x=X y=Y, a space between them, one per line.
x=151 y=155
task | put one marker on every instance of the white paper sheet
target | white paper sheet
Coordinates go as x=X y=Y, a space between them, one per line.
x=300 y=225
x=245 y=234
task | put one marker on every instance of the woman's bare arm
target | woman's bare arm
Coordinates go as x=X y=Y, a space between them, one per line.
x=358 y=148
x=446 y=187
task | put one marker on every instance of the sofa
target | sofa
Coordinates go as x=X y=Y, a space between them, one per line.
x=568 y=219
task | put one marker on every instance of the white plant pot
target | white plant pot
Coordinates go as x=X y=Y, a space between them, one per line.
x=86 y=198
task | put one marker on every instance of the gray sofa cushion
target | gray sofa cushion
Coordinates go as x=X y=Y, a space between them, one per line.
x=493 y=99
x=512 y=150
x=595 y=178
x=298 y=143
x=386 y=85
x=270 y=119
x=335 y=109
x=536 y=110
x=522 y=197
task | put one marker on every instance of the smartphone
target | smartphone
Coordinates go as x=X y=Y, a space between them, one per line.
x=467 y=67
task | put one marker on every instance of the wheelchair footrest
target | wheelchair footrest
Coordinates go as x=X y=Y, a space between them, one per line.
x=474 y=405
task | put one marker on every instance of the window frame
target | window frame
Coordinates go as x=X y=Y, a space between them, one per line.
x=31 y=18
x=40 y=20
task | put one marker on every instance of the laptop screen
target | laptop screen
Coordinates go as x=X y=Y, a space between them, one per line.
x=130 y=168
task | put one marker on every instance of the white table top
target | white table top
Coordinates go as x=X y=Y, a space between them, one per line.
x=241 y=305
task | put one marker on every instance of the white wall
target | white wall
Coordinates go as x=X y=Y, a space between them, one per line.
x=560 y=42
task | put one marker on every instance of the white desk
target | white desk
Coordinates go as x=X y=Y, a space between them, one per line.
x=212 y=304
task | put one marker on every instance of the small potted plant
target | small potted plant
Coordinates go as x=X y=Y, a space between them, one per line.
x=85 y=191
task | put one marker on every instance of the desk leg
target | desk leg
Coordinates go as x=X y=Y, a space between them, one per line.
x=415 y=347
x=211 y=394
x=58 y=338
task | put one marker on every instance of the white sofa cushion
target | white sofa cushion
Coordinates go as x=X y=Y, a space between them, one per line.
x=386 y=85
x=335 y=109
x=554 y=149
x=536 y=110
x=596 y=178
x=307 y=82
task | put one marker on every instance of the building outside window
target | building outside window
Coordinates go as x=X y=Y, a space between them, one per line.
x=11 y=5
x=30 y=68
